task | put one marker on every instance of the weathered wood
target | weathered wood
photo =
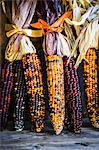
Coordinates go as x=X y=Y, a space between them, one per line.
x=25 y=140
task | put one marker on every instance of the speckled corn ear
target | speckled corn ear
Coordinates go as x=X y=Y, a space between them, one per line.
x=19 y=94
x=5 y=93
x=90 y=77
x=55 y=80
x=73 y=117
x=33 y=77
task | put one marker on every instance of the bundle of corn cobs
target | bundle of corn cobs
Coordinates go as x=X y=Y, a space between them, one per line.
x=65 y=45
x=22 y=70
x=85 y=23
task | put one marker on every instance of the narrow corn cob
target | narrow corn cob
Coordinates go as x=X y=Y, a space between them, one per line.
x=55 y=79
x=90 y=76
x=7 y=82
x=98 y=83
x=72 y=95
x=33 y=77
x=19 y=95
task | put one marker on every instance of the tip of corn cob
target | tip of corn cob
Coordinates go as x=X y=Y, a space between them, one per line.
x=96 y=125
x=59 y=130
x=38 y=130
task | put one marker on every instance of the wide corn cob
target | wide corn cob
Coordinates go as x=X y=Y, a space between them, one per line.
x=55 y=80
x=33 y=77
x=73 y=116
x=5 y=96
x=19 y=94
x=90 y=76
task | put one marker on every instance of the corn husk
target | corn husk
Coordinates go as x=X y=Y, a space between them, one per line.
x=64 y=46
x=20 y=21
x=26 y=46
x=89 y=39
x=81 y=20
x=88 y=36
x=84 y=3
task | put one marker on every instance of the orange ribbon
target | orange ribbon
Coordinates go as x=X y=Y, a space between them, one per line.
x=55 y=27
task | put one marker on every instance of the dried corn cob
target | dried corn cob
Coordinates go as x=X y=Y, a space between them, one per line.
x=33 y=76
x=19 y=95
x=7 y=82
x=90 y=75
x=97 y=83
x=72 y=95
x=55 y=79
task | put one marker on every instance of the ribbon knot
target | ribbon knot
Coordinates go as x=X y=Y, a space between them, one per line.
x=55 y=27
x=41 y=25
x=13 y=29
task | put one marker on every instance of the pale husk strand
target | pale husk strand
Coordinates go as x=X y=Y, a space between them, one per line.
x=89 y=40
x=87 y=34
x=20 y=19
x=81 y=21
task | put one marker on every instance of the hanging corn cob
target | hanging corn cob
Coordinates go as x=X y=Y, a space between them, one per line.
x=55 y=75
x=55 y=80
x=19 y=95
x=33 y=77
x=88 y=37
x=72 y=95
x=19 y=44
x=7 y=82
x=90 y=75
x=98 y=83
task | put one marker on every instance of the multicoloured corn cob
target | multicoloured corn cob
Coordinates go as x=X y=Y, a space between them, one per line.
x=90 y=76
x=7 y=82
x=19 y=95
x=33 y=77
x=55 y=80
x=97 y=84
x=73 y=116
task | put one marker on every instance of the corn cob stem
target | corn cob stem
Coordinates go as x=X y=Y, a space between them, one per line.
x=19 y=95
x=33 y=76
x=72 y=96
x=90 y=75
x=7 y=82
x=55 y=80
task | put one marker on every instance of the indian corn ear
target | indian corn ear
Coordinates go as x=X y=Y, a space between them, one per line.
x=19 y=94
x=90 y=77
x=5 y=94
x=33 y=77
x=55 y=80
x=73 y=117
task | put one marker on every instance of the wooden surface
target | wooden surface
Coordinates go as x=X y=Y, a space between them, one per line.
x=26 y=140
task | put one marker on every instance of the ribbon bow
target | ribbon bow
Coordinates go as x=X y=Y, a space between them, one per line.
x=13 y=29
x=55 y=27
